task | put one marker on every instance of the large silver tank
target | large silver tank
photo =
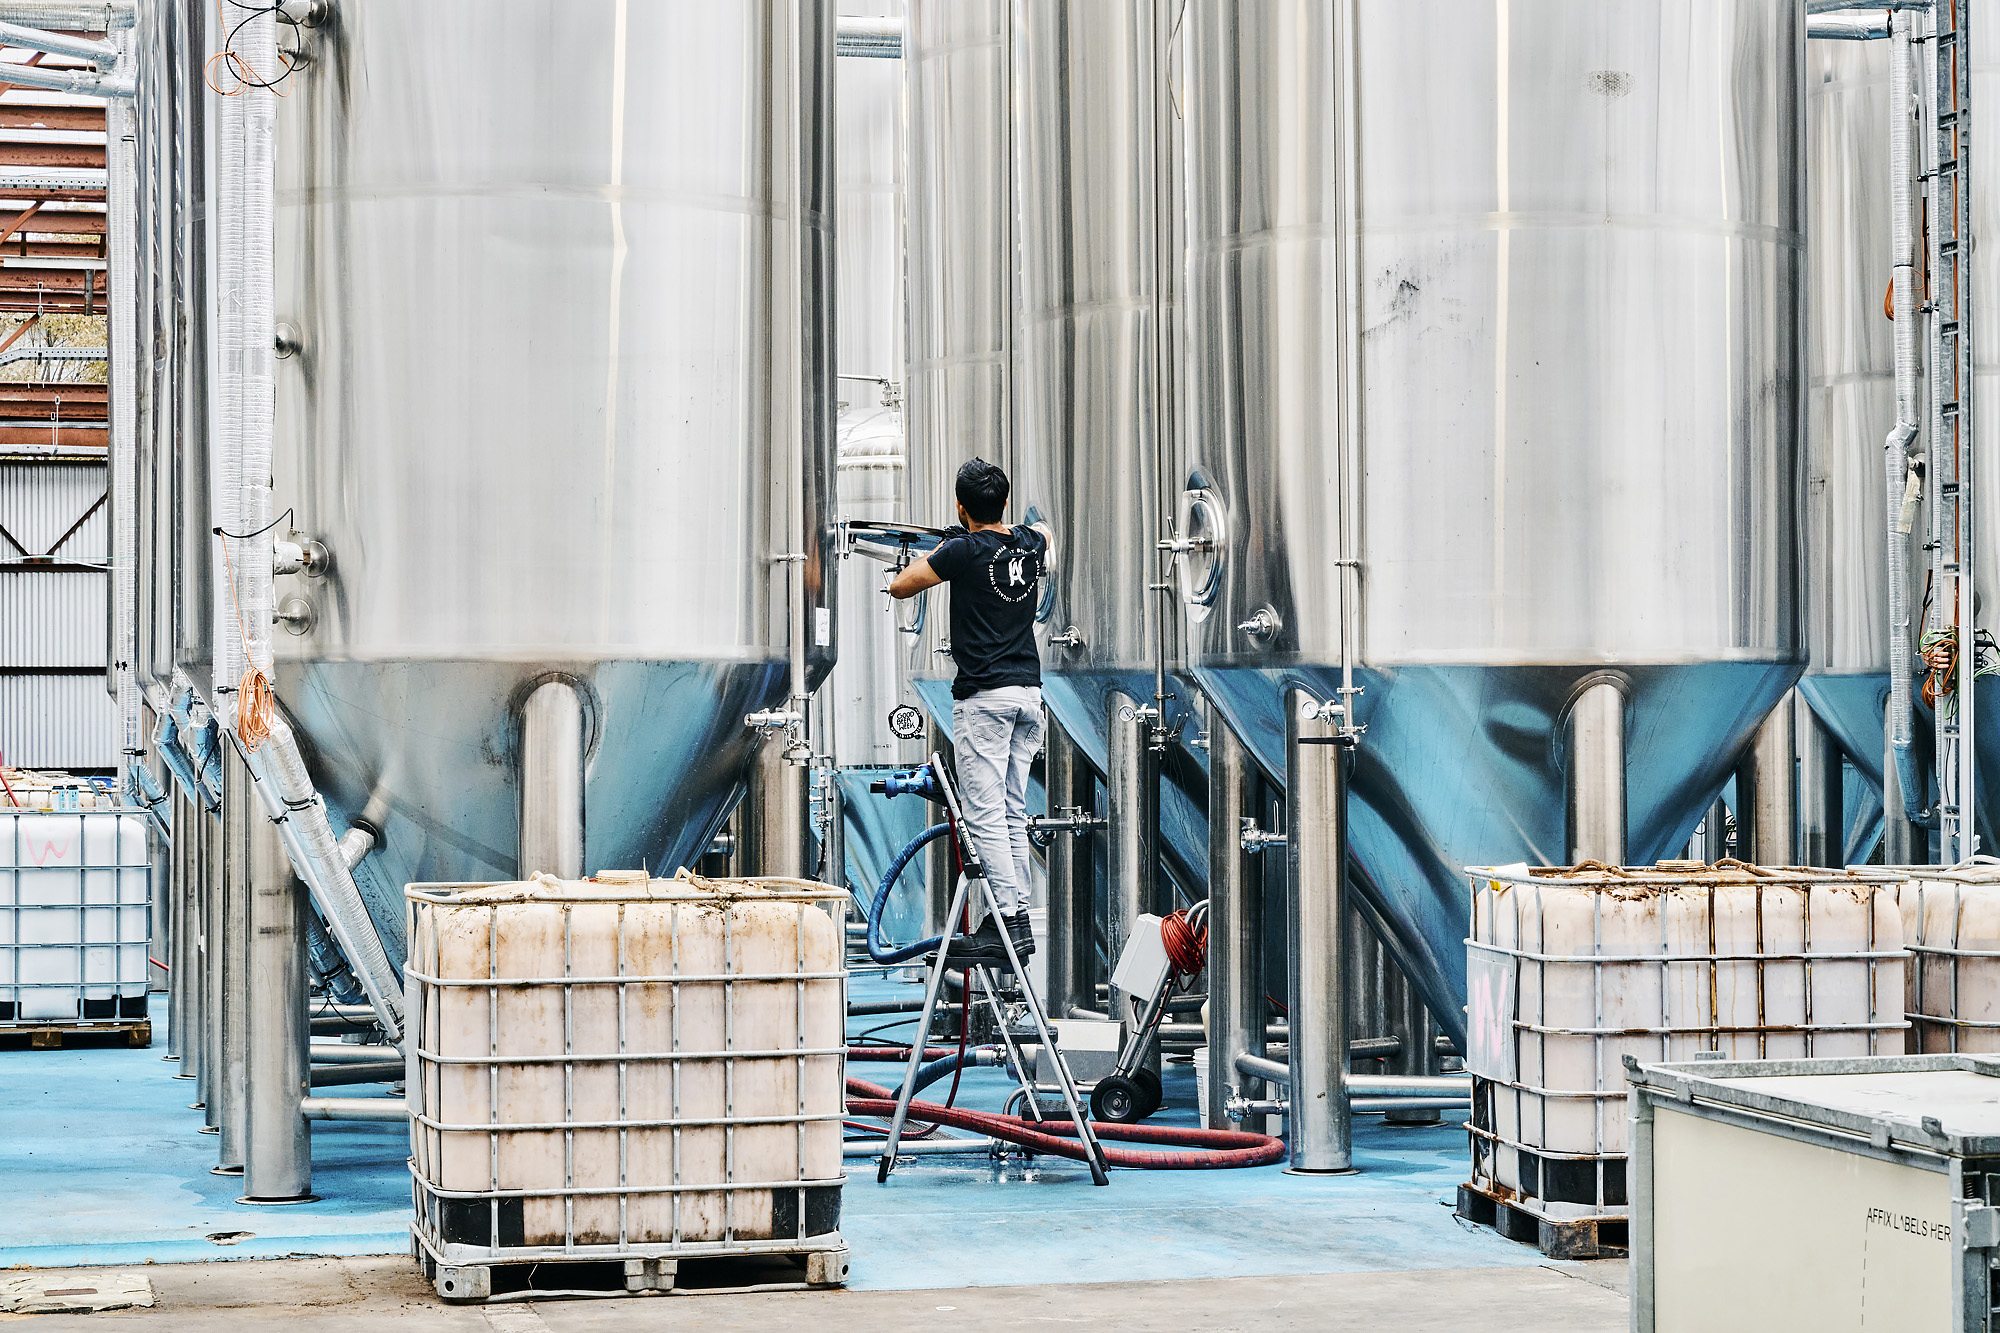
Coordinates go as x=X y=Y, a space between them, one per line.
x=1850 y=406
x=559 y=276
x=959 y=247
x=1098 y=354
x=1553 y=298
x=870 y=422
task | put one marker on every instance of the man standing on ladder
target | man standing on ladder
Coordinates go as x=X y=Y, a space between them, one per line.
x=995 y=573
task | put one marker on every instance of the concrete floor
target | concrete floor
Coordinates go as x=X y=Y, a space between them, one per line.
x=100 y=1164
x=361 y=1295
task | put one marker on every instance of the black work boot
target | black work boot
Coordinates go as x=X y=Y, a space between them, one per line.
x=981 y=948
x=1022 y=934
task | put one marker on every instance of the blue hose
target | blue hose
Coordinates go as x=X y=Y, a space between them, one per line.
x=876 y=949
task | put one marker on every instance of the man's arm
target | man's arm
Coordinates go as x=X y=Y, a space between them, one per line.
x=1049 y=547
x=913 y=579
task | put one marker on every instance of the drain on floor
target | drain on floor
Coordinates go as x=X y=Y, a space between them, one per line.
x=72 y=1292
x=230 y=1237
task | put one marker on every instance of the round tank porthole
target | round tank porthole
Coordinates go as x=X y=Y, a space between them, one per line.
x=1199 y=538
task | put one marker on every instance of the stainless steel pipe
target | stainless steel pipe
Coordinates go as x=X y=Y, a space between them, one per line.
x=1899 y=835
x=1822 y=821
x=342 y=1053
x=1766 y=792
x=181 y=928
x=1371 y=1085
x=1320 y=1126
x=231 y=956
x=212 y=845
x=1594 y=773
x=1132 y=785
x=277 y=1157
x=1069 y=891
x=344 y=1075
x=385 y=1110
x=1236 y=987
x=552 y=746
x=776 y=822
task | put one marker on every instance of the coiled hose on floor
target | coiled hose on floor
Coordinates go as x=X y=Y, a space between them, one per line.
x=1201 y=1149
x=902 y=954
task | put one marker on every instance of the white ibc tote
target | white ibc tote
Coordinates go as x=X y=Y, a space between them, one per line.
x=1570 y=970
x=1951 y=923
x=75 y=918
x=626 y=1066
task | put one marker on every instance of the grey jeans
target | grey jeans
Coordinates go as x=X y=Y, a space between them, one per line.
x=995 y=736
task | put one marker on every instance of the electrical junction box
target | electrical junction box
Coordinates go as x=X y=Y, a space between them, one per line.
x=1143 y=968
x=1836 y=1193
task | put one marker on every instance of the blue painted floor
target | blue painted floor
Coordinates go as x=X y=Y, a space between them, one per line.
x=100 y=1163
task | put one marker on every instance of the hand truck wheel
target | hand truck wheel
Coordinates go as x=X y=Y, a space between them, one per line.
x=1117 y=1100
x=1149 y=1085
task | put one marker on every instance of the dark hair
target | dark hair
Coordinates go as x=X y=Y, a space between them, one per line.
x=982 y=489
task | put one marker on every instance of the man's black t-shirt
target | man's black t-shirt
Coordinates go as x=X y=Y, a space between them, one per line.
x=995 y=580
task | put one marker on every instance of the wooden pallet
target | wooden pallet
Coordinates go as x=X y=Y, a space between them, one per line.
x=1592 y=1238
x=552 y=1279
x=46 y=1036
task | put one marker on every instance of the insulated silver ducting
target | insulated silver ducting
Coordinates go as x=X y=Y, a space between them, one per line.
x=1848 y=29
x=1896 y=461
x=101 y=54
x=96 y=16
x=244 y=406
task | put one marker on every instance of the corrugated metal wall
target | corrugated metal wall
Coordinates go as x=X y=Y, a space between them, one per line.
x=54 y=582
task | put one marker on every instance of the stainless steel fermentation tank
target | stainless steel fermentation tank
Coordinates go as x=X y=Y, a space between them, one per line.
x=555 y=277
x=1850 y=409
x=1521 y=283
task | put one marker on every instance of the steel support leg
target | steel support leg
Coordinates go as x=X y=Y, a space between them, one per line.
x=1320 y=1127
x=1236 y=987
x=277 y=1160
x=1594 y=773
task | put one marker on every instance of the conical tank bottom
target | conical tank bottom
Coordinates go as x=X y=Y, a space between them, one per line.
x=1462 y=765
x=438 y=742
x=1849 y=705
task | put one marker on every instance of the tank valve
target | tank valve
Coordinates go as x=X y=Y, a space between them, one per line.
x=1255 y=840
x=1241 y=1108
x=1071 y=638
x=296 y=614
x=1263 y=624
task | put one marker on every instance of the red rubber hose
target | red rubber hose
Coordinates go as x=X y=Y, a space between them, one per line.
x=1186 y=945
x=1213 y=1148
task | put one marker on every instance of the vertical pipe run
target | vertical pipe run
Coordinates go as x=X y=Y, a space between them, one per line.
x=1319 y=1121
x=1900 y=843
x=1896 y=447
x=552 y=741
x=1594 y=774
x=211 y=971
x=1235 y=923
x=1133 y=784
x=776 y=824
x=1822 y=822
x=1766 y=791
x=1060 y=989
x=277 y=1153
x=939 y=883
x=181 y=928
x=231 y=959
x=161 y=875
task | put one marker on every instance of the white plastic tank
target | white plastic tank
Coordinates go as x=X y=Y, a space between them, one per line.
x=1951 y=924
x=75 y=920
x=1570 y=970
x=623 y=1064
